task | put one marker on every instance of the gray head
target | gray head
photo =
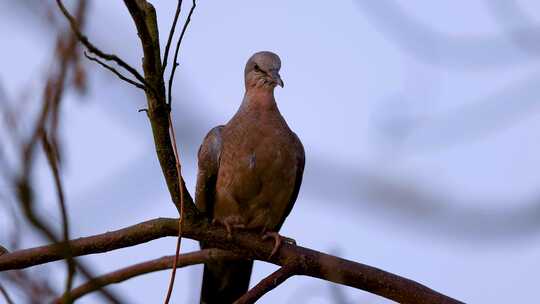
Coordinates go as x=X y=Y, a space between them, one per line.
x=262 y=71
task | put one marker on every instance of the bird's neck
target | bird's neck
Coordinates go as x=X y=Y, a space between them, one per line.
x=259 y=99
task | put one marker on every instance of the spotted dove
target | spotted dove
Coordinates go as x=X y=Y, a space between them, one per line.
x=250 y=171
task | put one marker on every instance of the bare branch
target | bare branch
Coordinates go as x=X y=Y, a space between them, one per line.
x=247 y=244
x=144 y=17
x=191 y=224
x=93 y=49
x=110 y=68
x=267 y=284
x=139 y=269
x=171 y=34
x=175 y=63
x=130 y=236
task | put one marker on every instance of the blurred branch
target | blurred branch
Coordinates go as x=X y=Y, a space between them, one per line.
x=52 y=160
x=4 y=293
x=520 y=28
x=66 y=55
x=46 y=131
x=247 y=244
x=34 y=285
x=437 y=48
x=139 y=269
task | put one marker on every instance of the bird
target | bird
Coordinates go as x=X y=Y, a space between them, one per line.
x=249 y=175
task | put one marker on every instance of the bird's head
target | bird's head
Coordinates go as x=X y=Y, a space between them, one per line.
x=262 y=71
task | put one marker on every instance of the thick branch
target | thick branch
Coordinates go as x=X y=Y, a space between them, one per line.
x=162 y=263
x=130 y=236
x=144 y=16
x=311 y=262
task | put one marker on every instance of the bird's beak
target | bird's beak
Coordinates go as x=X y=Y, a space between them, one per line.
x=277 y=78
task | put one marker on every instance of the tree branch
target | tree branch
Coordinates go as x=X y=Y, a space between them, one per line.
x=130 y=236
x=144 y=17
x=52 y=160
x=270 y=282
x=162 y=263
x=247 y=244
x=93 y=49
x=114 y=71
x=175 y=62
x=171 y=34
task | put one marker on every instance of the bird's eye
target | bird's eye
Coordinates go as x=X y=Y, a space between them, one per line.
x=257 y=68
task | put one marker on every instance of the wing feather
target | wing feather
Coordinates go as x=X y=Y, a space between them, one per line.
x=300 y=163
x=209 y=154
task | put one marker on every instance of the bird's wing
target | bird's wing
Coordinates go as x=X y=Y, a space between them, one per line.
x=300 y=163
x=223 y=281
x=209 y=154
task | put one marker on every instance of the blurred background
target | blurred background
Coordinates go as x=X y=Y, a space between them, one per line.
x=419 y=118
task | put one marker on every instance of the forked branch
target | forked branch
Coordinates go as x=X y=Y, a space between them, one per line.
x=93 y=49
x=270 y=282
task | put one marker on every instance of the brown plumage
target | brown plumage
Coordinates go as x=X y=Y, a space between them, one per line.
x=250 y=171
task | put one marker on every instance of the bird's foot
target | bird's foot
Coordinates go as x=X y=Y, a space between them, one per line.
x=230 y=223
x=278 y=240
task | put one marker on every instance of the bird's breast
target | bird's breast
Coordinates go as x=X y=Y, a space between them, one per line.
x=257 y=171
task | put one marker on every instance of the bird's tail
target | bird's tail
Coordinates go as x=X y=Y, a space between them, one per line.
x=225 y=281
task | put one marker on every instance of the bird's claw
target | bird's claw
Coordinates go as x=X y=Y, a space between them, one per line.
x=278 y=240
x=230 y=224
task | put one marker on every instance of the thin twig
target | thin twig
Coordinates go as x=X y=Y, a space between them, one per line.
x=110 y=68
x=163 y=263
x=171 y=34
x=93 y=49
x=270 y=282
x=175 y=62
x=182 y=208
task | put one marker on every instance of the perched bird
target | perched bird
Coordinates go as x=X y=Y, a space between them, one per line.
x=250 y=171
